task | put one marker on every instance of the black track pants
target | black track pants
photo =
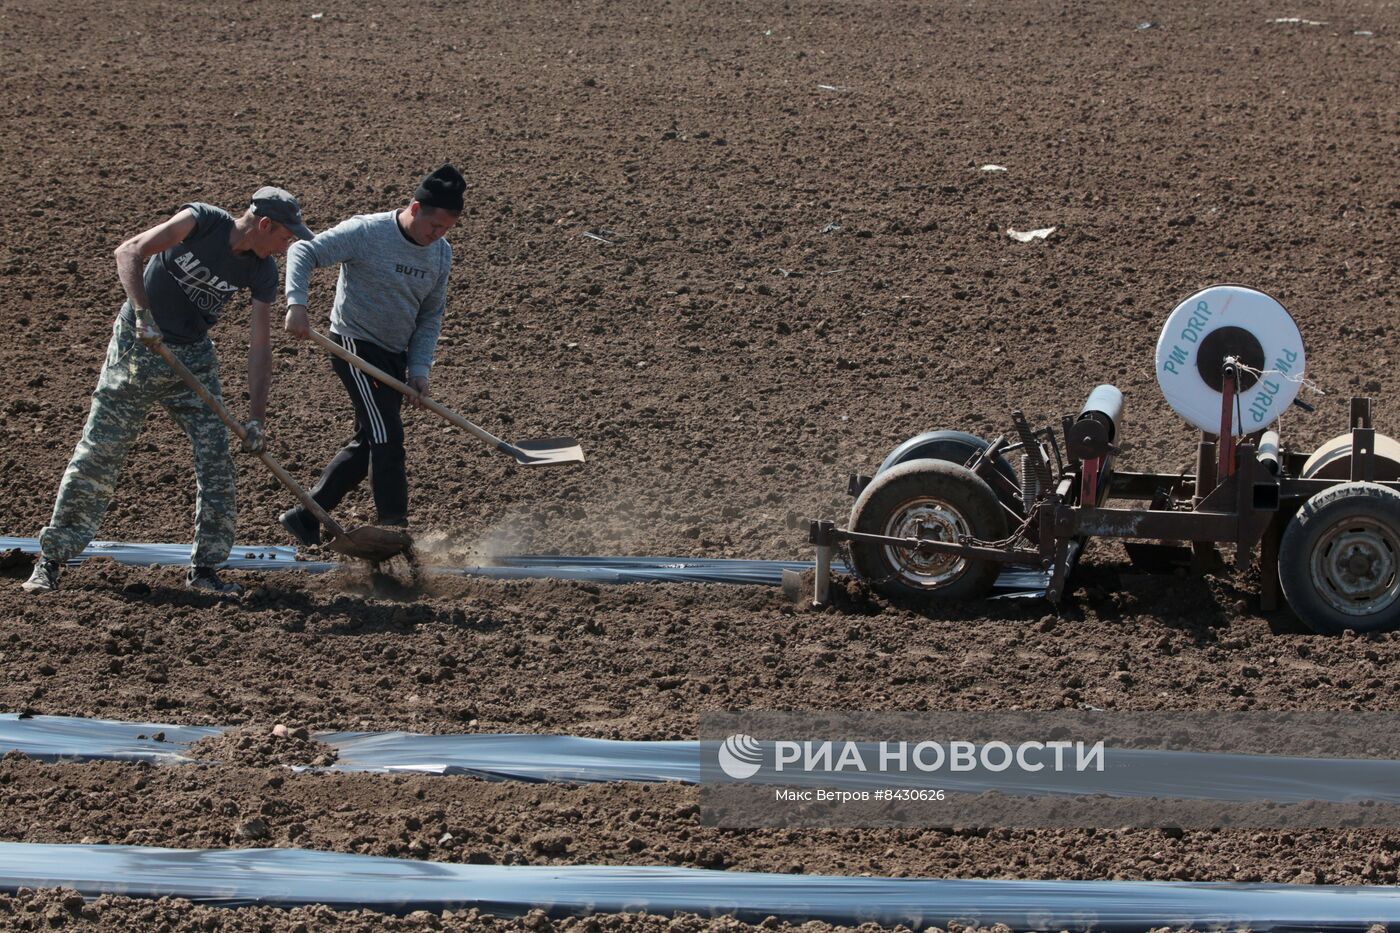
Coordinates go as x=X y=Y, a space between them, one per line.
x=377 y=447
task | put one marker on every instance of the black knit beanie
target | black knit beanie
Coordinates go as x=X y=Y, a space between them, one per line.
x=443 y=189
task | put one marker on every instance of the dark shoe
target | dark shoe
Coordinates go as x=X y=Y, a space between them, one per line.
x=206 y=580
x=44 y=579
x=302 y=526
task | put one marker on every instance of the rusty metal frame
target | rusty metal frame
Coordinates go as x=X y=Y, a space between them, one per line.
x=965 y=546
x=1244 y=504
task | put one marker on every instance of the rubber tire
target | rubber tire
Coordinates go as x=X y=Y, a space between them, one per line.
x=954 y=447
x=1317 y=516
x=957 y=486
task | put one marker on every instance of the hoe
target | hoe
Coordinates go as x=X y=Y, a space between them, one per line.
x=368 y=543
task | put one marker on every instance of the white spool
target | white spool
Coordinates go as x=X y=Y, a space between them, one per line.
x=1205 y=312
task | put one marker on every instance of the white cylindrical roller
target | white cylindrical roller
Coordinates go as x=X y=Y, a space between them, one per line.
x=1333 y=459
x=1096 y=428
x=1268 y=453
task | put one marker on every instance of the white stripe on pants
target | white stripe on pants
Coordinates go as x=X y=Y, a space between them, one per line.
x=376 y=426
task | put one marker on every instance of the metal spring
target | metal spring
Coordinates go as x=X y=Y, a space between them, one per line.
x=1030 y=483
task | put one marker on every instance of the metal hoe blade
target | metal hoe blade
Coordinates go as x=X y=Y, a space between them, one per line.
x=371 y=543
x=549 y=451
x=545 y=451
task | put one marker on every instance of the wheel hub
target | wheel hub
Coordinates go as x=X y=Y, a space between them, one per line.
x=932 y=519
x=1354 y=567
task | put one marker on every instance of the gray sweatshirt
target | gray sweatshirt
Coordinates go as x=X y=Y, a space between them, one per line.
x=391 y=292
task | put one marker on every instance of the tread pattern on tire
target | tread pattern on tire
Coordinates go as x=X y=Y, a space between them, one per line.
x=1316 y=516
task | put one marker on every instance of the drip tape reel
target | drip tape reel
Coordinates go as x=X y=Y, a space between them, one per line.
x=1226 y=321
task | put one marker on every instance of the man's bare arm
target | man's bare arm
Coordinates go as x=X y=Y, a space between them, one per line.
x=132 y=254
x=259 y=358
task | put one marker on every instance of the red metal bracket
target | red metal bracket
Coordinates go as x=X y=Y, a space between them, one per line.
x=1227 y=423
x=1089 y=482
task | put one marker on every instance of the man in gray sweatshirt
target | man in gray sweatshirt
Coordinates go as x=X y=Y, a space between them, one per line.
x=389 y=301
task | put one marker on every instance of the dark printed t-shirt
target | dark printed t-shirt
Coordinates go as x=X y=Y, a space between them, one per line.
x=188 y=283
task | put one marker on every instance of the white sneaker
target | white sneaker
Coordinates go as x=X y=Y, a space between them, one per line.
x=44 y=579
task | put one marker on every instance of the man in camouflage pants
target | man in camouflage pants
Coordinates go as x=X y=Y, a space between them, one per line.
x=197 y=260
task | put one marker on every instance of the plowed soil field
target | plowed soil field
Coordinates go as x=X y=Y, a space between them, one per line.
x=796 y=261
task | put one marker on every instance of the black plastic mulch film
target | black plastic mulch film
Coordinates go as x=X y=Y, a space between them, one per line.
x=1013 y=582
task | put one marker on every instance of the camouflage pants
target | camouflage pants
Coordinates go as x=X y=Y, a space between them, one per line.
x=133 y=378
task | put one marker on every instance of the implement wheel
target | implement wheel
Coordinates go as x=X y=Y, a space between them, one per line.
x=1339 y=562
x=946 y=499
x=955 y=447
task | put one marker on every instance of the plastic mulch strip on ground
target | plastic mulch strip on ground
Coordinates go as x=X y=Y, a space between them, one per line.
x=69 y=738
x=560 y=758
x=1131 y=773
x=294 y=877
x=177 y=555
x=1014 y=581
x=563 y=758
